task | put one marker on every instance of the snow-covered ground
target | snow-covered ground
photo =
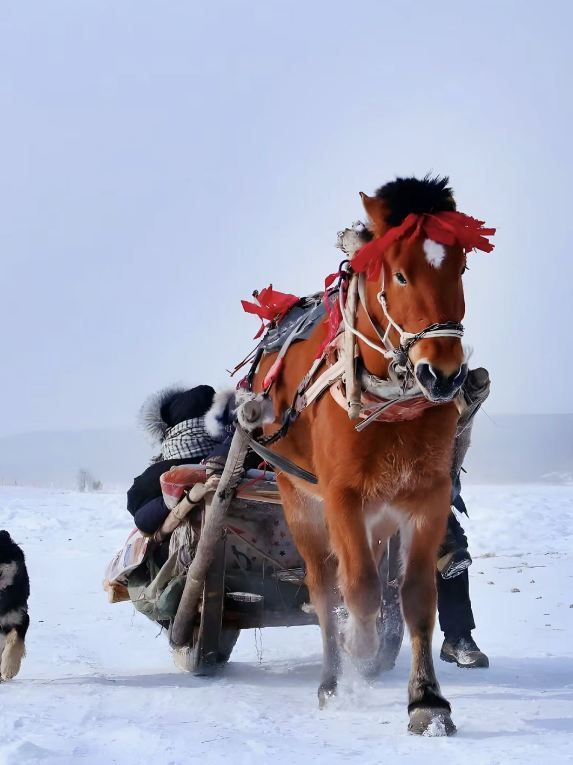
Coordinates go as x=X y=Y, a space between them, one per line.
x=98 y=685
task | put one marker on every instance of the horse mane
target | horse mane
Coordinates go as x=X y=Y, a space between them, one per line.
x=412 y=195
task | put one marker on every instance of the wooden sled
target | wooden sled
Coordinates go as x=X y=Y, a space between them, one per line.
x=255 y=579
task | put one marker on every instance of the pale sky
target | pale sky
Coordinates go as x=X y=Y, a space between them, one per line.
x=160 y=160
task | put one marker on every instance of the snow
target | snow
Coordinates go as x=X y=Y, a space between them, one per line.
x=98 y=685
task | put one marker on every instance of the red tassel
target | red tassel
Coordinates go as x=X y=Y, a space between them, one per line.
x=271 y=305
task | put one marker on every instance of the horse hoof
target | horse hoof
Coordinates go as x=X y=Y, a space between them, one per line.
x=325 y=693
x=425 y=721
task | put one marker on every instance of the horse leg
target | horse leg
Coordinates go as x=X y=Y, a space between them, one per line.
x=429 y=711
x=321 y=580
x=381 y=527
x=358 y=572
x=305 y=518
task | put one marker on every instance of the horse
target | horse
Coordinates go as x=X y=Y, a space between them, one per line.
x=393 y=475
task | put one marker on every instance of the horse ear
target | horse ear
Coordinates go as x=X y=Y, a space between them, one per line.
x=376 y=211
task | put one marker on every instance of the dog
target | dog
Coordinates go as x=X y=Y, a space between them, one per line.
x=14 y=594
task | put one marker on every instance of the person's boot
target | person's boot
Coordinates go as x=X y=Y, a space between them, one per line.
x=453 y=557
x=453 y=562
x=464 y=652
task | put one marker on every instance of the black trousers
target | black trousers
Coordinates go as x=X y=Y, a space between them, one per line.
x=454 y=605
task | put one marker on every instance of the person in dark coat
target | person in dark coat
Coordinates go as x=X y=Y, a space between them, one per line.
x=175 y=418
x=455 y=612
x=454 y=604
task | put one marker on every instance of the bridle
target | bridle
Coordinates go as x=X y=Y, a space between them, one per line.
x=400 y=367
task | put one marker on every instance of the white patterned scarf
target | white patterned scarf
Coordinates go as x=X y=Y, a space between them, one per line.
x=188 y=439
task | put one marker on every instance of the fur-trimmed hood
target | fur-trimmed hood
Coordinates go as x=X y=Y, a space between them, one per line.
x=172 y=405
x=219 y=418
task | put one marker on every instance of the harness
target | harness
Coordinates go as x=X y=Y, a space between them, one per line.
x=363 y=395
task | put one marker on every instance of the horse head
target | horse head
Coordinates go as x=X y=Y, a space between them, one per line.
x=414 y=266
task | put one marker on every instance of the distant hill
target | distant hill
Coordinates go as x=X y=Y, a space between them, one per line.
x=505 y=449
x=521 y=448
x=112 y=456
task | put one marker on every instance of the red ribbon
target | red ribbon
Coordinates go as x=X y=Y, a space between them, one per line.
x=272 y=305
x=445 y=227
x=332 y=325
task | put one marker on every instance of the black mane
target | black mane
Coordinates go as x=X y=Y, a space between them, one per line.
x=411 y=195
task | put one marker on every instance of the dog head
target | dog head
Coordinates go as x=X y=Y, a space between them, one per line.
x=9 y=550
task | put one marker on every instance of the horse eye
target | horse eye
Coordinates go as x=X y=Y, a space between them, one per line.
x=400 y=278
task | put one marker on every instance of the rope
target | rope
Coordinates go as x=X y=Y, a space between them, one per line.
x=407 y=339
x=351 y=328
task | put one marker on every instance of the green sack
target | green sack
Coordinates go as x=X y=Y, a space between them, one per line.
x=159 y=598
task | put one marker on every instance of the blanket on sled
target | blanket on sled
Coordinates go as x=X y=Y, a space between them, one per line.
x=151 y=573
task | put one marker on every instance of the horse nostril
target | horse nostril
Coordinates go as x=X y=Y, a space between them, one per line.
x=460 y=376
x=437 y=384
x=426 y=375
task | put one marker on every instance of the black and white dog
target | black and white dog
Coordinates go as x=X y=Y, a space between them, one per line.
x=14 y=619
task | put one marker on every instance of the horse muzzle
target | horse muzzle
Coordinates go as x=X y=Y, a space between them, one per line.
x=438 y=386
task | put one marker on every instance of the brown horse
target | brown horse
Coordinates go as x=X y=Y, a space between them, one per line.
x=393 y=475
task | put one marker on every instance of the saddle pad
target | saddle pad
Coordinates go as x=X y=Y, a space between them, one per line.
x=309 y=312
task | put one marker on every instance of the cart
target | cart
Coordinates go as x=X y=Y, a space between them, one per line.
x=255 y=579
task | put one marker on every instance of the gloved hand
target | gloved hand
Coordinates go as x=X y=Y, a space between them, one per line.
x=215 y=465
